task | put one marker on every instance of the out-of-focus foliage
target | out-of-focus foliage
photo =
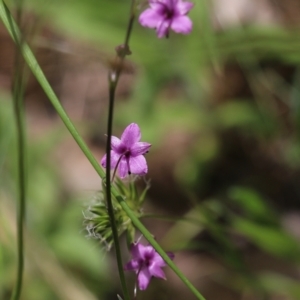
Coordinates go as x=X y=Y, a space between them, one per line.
x=221 y=110
x=60 y=262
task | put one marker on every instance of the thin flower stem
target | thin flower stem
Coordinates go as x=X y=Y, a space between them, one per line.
x=110 y=208
x=18 y=96
x=38 y=73
x=117 y=164
x=173 y=219
x=113 y=79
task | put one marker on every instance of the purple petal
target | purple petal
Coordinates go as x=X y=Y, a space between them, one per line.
x=114 y=158
x=139 y=148
x=150 y=18
x=159 y=260
x=123 y=168
x=132 y=265
x=171 y=255
x=131 y=135
x=148 y=253
x=103 y=161
x=144 y=278
x=142 y=253
x=115 y=143
x=138 y=165
x=162 y=29
x=169 y=3
x=184 y=7
x=156 y=271
x=182 y=24
x=137 y=250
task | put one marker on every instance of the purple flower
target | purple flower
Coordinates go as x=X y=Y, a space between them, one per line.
x=165 y=14
x=127 y=153
x=146 y=262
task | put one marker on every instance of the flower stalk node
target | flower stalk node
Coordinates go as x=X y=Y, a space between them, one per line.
x=123 y=50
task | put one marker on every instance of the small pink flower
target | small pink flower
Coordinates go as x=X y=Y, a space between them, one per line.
x=146 y=263
x=127 y=153
x=165 y=14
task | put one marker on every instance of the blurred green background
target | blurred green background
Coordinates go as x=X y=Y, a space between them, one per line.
x=221 y=110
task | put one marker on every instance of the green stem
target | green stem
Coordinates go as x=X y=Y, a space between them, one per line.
x=38 y=73
x=18 y=96
x=19 y=115
x=171 y=218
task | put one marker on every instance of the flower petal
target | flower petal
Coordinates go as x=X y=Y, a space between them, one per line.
x=168 y=3
x=138 y=165
x=162 y=29
x=154 y=4
x=182 y=24
x=184 y=7
x=132 y=265
x=156 y=271
x=103 y=161
x=144 y=278
x=159 y=260
x=171 y=255
x=148 y=253
x=114 y=158
x=150 y=18
x=139 y=148
x=131 y=135
x=115 y=143
x=123 y=168
x=137 y=251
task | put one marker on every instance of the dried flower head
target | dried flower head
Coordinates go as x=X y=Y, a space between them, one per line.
x=96 y=218
x=165 y=14
x=97 y=223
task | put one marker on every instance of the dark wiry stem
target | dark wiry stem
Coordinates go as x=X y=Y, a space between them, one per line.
x=113 y=82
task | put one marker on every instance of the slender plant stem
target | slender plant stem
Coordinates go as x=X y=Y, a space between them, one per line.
x=113 y=79
x=38 y=73
x=19 y=115
x=110 y=208
x=17 y=91
x=172 y=219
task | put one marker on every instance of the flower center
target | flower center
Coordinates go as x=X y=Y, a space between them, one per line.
x=147 y=259
x=124 y=151
x=168 y=12
x=127 y=153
